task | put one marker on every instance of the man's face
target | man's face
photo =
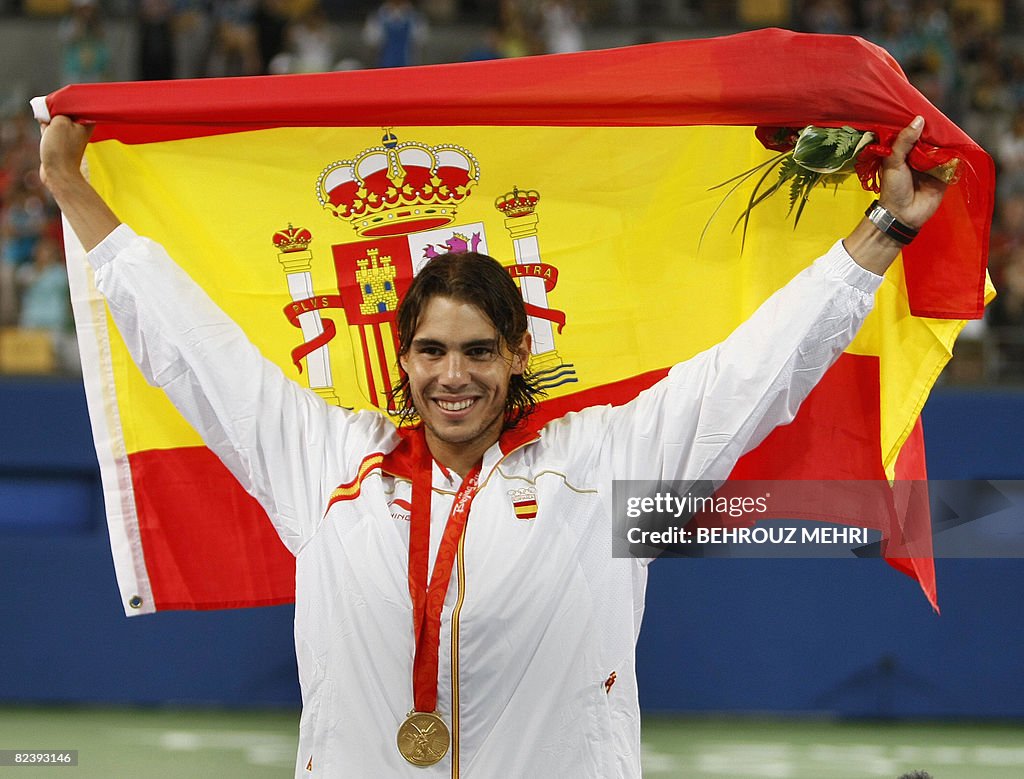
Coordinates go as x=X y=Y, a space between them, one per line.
x=459 y=371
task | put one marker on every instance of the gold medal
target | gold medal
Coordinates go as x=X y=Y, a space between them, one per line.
x=423 y=738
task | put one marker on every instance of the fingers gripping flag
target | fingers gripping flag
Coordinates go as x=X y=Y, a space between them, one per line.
x=304 y=205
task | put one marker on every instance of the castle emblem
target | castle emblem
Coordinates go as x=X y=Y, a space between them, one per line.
x=376 y=278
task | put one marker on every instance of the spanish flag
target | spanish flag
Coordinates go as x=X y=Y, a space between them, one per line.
x=305 y=204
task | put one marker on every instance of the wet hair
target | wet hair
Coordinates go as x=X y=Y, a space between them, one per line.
x=480 y=280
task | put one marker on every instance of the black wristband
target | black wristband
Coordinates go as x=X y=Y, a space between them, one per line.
x=883 y=219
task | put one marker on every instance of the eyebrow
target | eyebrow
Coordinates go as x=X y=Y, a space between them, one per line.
x=490 y=343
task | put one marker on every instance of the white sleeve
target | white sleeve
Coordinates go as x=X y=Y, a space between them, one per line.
x=697 y=422
x=285 y=445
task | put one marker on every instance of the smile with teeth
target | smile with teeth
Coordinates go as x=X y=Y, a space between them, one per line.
x=455 y=405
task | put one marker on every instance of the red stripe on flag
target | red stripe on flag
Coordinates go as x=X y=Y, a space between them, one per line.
x=708 y=81
x=371 y=387
x=845 y=402
x=212 y=564
x=208 y=544
x=718 y=81
x=844 y=405
x=615 y=394
x=384 y=401
x=911 y=475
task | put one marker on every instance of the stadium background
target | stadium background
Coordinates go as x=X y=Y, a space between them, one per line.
x=748 y=668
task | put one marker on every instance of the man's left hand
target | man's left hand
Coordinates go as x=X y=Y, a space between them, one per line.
x=911 y=196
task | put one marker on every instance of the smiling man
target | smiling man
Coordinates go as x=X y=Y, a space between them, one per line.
x=524 y=667
x=465 y=378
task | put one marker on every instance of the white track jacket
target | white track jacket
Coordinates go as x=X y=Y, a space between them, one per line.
x=539 y=615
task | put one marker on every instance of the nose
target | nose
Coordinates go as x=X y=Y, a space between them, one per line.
x=454 y=373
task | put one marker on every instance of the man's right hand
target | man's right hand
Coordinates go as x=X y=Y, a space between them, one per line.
x=61 y=150
x=60 y=167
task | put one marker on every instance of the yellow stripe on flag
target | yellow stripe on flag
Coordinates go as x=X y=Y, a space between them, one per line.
x=619 y=216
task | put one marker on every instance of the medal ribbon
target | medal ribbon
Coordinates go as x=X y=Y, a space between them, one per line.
x=428 y=599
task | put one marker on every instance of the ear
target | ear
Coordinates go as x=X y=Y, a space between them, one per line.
x=521 y=355
x=403 y=360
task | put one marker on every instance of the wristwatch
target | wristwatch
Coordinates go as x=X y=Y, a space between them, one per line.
x=887 y=223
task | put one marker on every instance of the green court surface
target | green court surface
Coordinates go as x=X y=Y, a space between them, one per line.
x=173 y=743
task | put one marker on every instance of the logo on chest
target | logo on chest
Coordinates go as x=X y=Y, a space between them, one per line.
x=524 y=502
x=400 y=509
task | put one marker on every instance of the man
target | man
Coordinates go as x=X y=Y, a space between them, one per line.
x=524 y=667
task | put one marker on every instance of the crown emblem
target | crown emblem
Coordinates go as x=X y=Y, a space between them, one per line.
x=398 y=188
x=292 y=239
x=517 y=203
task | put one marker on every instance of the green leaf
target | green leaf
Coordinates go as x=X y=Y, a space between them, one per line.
x=754 y=200
x=748 y=173
x=825 y=156
x=739 y=182
x=809 y=184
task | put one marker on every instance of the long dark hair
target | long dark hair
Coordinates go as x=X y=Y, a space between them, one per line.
x=469 y=277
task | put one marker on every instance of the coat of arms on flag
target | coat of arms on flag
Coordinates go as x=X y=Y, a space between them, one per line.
x=402 y=199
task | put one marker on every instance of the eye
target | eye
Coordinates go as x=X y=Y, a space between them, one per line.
x=430 y=351
x=480 y=353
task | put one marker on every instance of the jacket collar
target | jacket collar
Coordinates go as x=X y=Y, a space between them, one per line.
x=402 y=460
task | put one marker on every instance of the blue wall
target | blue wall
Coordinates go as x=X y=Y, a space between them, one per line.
x=852 y=636
x=846 y=636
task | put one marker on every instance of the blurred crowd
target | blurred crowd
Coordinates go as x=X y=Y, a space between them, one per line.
x=962 y=54
x=36 y=329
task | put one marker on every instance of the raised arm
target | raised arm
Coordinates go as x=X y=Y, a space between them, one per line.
x=711 y=409
x=60 y=152
x=285 y=445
